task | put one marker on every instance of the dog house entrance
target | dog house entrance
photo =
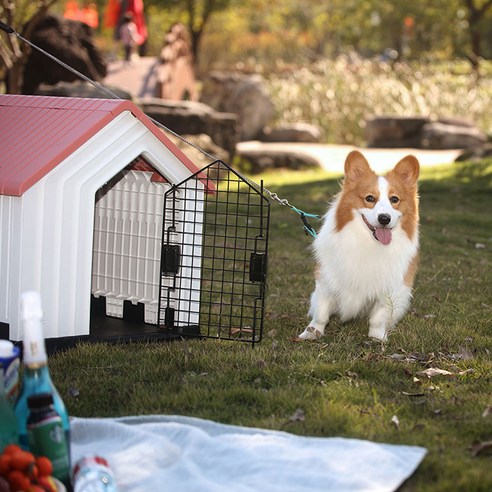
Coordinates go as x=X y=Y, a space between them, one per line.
x=214 y=256
x=176 y=260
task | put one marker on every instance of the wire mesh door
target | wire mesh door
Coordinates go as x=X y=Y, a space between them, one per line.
x=214 y=256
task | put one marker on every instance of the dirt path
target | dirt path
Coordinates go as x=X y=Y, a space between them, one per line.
x=332 y=157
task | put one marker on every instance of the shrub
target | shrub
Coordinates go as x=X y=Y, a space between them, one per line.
x=339 y=95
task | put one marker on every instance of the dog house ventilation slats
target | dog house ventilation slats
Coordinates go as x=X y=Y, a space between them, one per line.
x=127 y=235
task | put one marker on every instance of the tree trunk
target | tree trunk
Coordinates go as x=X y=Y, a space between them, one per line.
x=14 y=77
x=476 y=48
x=475 y=15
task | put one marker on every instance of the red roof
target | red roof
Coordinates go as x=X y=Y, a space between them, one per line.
x=38 y=132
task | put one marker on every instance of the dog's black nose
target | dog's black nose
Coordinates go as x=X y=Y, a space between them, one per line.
x=384 y=219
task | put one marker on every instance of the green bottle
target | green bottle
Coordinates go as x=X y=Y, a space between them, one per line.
x=36 y=376
x=46 y=435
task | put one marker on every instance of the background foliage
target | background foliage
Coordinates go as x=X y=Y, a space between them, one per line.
x=339 y=95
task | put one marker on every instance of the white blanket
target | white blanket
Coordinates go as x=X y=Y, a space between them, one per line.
x=176 y=453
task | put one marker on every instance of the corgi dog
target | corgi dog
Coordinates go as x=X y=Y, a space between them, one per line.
x=367 y=248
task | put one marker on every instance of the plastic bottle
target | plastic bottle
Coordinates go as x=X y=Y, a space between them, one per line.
x=8 y=420
x=46 y=435
x=36 y=376
x=93 y=474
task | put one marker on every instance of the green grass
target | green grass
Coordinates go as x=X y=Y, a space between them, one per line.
x=345 y=384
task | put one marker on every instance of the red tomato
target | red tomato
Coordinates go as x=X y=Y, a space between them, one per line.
x=18 y=481
x=44 y=466
x=22 y=461
x=5 y=464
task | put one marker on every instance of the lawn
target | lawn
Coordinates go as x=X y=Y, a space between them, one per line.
x=344 y=384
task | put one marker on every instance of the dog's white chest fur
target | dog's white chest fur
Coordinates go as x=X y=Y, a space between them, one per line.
x=357 y=269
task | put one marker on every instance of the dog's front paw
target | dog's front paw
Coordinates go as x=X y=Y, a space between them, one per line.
x=310 y=333
x=378 y=334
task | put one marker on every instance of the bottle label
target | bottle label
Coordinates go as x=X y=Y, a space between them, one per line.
x=10 y=367
x=47 y=438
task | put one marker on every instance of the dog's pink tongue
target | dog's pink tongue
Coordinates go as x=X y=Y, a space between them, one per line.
x=383 y=235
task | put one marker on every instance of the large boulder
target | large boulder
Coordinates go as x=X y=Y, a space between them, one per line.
x=194 y=118
x=394 y=131
x=243 y=95
x=295 y=132
x=422 y=133
x=71 y=42
x=476 y=153
x=454 y=135
x=81 y=88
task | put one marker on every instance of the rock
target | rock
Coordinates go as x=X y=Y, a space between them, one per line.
x=456 y=122
x=258 y=156
x=476 y=153
x=422 y=133
x=80 y=89
x=437 y=135
x=243 y=95
x=194 y=118
x=71 y=42
x=203 y=142
x=394 y=131
x=297 y=132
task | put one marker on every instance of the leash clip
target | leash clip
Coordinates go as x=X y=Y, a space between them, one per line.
x=308 y=228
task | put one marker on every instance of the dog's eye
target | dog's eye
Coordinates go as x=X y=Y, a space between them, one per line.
x=370 y=199
x=394 y=199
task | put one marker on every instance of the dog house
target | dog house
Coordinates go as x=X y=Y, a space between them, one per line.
x=119 y=231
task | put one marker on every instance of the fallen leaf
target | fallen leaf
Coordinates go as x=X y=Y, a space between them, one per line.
x=73 y=392
x=487 y=412
x=480 y=448
x=463 y=354
x=398 y=357
x=434 y=371
x=412 y=394
x=237 y=331
x=297 y=339
x=298 y=416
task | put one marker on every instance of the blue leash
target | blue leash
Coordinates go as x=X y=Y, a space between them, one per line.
x=308 y=228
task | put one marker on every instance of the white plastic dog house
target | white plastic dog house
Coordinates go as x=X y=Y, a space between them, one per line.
x=100 y=212
x=82 y=185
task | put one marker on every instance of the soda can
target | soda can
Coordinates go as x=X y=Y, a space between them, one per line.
x=93 y=474
x=9 y=364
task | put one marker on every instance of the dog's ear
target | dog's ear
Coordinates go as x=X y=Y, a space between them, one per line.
x=407 y=170
x=356 y=165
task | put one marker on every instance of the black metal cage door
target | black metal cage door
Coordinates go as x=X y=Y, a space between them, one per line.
x=214 y=256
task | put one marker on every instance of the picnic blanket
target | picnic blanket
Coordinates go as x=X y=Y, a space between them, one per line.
x=177 y=453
